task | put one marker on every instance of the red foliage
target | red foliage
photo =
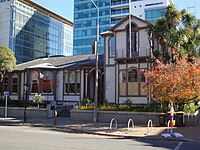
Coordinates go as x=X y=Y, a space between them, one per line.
x=179 y=82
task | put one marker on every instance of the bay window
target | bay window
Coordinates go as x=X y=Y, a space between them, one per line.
x=47 y=82
x=131 y=82
x=34 y=82
x=72 y=82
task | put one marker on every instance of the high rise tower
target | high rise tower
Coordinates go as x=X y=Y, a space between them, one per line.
x=111 y=12
x=33 y=31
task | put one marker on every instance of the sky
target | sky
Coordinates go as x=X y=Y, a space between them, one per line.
x=65 y=8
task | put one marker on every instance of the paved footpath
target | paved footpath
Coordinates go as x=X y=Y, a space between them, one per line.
x=189 y=133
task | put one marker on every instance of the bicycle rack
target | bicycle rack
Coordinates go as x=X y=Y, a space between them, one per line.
x=149 y=122
x=111 y=124
x=130 y=121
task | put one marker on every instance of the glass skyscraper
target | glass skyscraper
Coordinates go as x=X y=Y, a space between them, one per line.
x=34 y=31
x=85 y=22
x=111 y=12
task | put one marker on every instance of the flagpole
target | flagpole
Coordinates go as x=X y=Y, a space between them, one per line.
x=130 y=44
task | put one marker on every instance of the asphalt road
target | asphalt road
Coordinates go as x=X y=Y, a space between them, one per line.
x=32 y=138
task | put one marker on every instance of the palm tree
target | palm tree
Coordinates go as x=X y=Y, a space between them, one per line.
x=177 y=31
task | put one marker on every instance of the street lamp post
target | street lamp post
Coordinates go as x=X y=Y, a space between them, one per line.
x=96 y=72
x=26 y=87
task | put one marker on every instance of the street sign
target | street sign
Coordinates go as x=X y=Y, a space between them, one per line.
x=6 y=94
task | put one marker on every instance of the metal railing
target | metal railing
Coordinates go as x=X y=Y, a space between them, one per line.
x=124 y=53
x=120 y=2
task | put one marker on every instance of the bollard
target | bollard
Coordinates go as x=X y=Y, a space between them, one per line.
x=55 y=117
x=130 y=121
x=149 y=123
x=111 y=123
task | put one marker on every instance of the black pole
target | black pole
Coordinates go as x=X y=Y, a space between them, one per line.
x=25 y=105
x=25 y=102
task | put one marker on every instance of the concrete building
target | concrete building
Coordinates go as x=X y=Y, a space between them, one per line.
x=69 y=79
x=33 y=31
x=110 y=13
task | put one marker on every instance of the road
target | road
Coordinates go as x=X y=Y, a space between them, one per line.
x=32 y=138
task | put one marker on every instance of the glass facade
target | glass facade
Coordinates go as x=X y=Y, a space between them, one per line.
x=111 y=12
x=153 y=15
x=35 y=35
x=85 y=23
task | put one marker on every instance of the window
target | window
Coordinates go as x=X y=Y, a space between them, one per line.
x=112 y=46
x=47 y=86
x=134 y=41
x=122 y=82
x=152 y=15
x=78 y=81
x=14 y=84
x=5 y=83
x=34 y=82
x=142 y=83
x=72 y=82
x=151 y=4
x=131 y=82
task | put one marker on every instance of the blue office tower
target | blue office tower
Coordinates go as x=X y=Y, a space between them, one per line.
x=111 y=12
x=85 y=23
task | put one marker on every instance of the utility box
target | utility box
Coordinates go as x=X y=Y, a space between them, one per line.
x=180 y=122
x=162 y=119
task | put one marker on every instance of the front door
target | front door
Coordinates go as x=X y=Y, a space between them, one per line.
x=91 y=86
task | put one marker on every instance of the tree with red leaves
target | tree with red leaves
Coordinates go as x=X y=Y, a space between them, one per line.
x=178 y=82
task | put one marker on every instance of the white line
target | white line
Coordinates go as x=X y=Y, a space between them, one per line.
x=178 y=146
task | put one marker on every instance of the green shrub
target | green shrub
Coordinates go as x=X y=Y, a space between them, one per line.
x=190 y=108
x=21 y=103
x=151 y=107
x=128 y=102
x=107 y=108
x=105 y=102
x=38 y=99
x=13 y=103
x=86 y=101
x=85 y=107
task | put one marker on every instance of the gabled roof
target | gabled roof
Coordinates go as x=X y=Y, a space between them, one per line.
x=125 y=19
x=110 y=32
x=61 y=62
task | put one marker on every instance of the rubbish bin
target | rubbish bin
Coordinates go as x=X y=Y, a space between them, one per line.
x=180 y=122
x=168 y=117
x=162 y=119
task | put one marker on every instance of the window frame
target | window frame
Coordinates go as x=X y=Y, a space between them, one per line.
x=34 y=82
x=48 y=80
x=75 y=81
x=14 y=76
x=112 y=50
x=137 y=81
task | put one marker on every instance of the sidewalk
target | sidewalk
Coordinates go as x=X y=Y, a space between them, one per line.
x=189 y=133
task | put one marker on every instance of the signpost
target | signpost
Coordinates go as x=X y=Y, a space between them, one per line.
x=6 y=94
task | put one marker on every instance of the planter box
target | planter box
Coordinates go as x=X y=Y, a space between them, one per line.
x=30 y=112
x=139 y=118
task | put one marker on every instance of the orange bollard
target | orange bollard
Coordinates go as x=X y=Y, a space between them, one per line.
x=55 y=117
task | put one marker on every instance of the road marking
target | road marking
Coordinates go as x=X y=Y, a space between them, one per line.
x=178 y=146
x=42 y=132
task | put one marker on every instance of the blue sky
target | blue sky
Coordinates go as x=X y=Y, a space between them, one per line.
x=65 y=7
